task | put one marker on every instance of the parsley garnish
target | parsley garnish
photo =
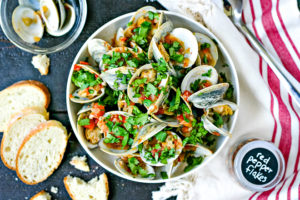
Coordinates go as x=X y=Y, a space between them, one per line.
x=208 y=73
x=84 y=122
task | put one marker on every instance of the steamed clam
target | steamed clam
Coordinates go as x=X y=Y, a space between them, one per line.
x=216 y=115
x=178 y=46
x=162 y=148
x=119 y=129
x=87 y=123
x=175 y=110
x=67 y=23
x=90 y=86
x=122 y=57
x=50 y=14
x=148 y=86
x=142 y=26
x=208 y=51
x=198 y=78
x=118 y=78
x=133 y=166
x=98 y=47
x=28 y=19
x=27 y=24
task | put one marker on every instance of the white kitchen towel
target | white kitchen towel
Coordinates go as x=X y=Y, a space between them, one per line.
x=266 y=110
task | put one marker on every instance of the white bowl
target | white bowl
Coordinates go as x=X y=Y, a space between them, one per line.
x=107 y=32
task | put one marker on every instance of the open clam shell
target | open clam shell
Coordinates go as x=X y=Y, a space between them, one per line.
x=147 y=132
x=50 y=14
x=201 y=73
x=34 y=4
x=223 y=108
x=98 y=47
x=91 y=136
x=111 y=148
x=62 y=13
x=68 y=22
x=209 y=95
x=122 y=165
x=163 y=84
x=149 y=14
x=77 y=95
x=133 y=55
x=178 y=149
x=117 y=78
x=123 y=106
x=188 y=150
x=27 y=24
x=176 y=46
x=170 y=118
x=208 y=51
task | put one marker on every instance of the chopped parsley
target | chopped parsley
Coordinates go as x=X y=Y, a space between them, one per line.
x=208 y=73
x=84 y=79
x=135 y=168
x=218 y=120
x=161 y=136
x=84 y=122
x=192 y=162
x=204 y=46
x=164 y=175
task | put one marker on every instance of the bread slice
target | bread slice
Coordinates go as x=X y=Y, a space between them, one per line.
x=19 y=96
x=41 y=152
x=95 y=189
x=42 y=195
x=18 y=128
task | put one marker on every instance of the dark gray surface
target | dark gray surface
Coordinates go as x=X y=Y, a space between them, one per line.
x=15 y=66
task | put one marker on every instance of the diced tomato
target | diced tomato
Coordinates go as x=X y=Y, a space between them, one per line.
x=83 y=63
x=91 y=125
x=216 y=133
x=96 y=76
x=132 y=103
x=207 y=84
x=70 y=96
x=160 y=111
x=185 y=129
x=123 y=39
x=120 y=137
x=77 y=67
x=206 y=51
x=186 y=94
x=180 y=117
x=98 y=110
x=153 y=151
x=186 y=62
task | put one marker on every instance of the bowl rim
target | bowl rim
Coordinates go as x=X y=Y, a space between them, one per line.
x=53 y=49
x=74 y=125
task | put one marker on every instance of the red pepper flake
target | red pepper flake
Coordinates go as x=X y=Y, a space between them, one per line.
x=77 y=67
x=84 y=63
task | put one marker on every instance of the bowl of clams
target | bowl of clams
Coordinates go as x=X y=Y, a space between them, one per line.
x=42 y=26
x=152 y=96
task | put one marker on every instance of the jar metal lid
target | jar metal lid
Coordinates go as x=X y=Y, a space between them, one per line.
x=259 y=165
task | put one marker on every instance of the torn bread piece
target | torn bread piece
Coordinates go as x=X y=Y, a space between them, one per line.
x=95 y=189
x=42 y=195
x=41 y=62
x=79 y=162
x=54 y=189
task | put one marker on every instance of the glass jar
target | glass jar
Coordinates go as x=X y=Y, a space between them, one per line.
x=257 y=165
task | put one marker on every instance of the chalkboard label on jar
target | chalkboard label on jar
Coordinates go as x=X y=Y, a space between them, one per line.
x=259 y=166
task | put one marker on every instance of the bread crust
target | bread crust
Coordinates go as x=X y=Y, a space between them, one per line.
x=35 y=84
x=38 y=194
x=13 y=119
x=73 y=197
x=32 y=133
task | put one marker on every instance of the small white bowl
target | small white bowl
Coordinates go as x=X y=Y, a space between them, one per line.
x=107 y=32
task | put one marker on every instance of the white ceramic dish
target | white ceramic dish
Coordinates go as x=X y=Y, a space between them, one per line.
x=107 y=32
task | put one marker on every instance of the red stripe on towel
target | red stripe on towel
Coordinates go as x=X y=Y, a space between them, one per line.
x=276 y=40
x=285 y=30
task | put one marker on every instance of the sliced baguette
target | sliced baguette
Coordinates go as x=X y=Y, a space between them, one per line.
x=18 y=128
x=19 y=96
x=95 y=189
x=41 y=152
x=42 y=195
